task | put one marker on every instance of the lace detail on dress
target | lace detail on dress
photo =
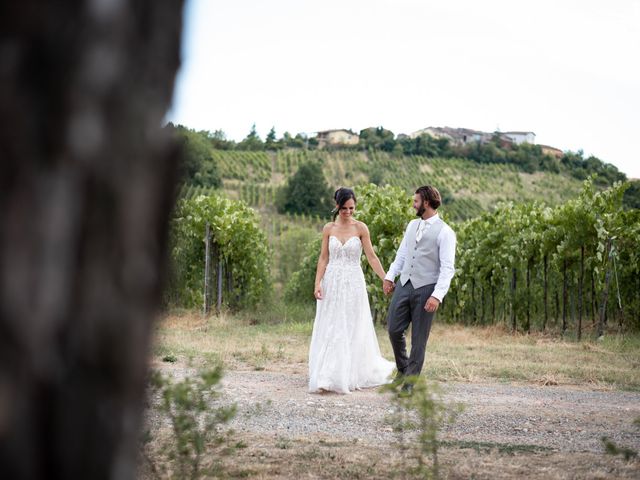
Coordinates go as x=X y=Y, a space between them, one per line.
x=344 y=354
x=345 y=254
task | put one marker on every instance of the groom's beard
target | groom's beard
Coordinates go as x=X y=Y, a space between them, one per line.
x=420 y=211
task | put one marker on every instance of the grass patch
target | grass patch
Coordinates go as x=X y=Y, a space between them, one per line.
x=485 y=447
x=457 y=353
x=454 y=353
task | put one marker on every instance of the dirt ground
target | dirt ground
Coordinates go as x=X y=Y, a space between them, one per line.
x=505 y=430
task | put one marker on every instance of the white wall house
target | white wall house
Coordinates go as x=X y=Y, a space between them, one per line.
x=458 y=136
x=520 y=137
x=337 y=137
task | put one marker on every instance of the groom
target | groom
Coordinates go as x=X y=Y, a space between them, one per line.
x=425 y=262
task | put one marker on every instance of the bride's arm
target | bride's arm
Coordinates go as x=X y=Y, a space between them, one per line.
x=372 y=258
x=323 y=260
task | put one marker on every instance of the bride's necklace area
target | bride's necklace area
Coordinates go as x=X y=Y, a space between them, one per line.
x=342 y=225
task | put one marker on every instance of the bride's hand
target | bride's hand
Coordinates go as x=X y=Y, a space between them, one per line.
x=318 y=292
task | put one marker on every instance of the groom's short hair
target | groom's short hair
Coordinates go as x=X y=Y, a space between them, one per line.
x=430 y=194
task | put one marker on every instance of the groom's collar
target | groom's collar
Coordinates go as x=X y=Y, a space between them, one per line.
x=433 y=219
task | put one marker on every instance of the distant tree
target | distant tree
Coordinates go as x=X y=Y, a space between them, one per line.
x=208 y=175
x=631 y=197
x=312 y=143
x=218 y=140
x=270 y=142
x=252 y=141
x=306 y=192
x=301 y=140
x=286 y=139
x=398 y=150
x=198 y=167
x=377 y=138
x=581 y=168
x=425 y=145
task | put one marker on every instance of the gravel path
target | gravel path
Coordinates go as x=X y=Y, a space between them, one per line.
x=551 y=417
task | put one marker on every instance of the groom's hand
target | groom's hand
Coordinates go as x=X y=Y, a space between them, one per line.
x=388 y=286
x=432 y=304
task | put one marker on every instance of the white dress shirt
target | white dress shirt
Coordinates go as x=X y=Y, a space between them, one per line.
x=446 y=243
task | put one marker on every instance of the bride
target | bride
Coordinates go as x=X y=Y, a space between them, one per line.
x=344 y=354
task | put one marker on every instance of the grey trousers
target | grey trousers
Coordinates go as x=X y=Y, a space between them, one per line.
x=407 y=307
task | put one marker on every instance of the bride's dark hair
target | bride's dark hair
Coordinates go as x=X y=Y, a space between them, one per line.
x=341 y=197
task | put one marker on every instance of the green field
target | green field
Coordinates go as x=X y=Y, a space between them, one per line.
x=468 y=187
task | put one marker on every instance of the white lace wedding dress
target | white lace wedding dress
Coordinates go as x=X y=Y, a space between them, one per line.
x=344 y=354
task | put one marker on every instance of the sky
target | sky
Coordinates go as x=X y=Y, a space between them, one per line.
x=567 y=70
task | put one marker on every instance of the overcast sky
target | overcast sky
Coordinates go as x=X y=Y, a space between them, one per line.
x=567 y=70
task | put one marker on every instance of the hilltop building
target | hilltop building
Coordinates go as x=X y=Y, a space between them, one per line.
x=463 y=136
x=552 y=151
x=457 y=136
x=520 y=137
x=337 y=137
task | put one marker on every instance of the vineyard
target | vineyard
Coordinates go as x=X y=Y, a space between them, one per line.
x=469 y=188
x=536 y=251
x=570 y=268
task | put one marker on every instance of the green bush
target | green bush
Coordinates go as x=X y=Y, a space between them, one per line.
x=299 y=288
x=238 y=242
x=197 y=440
x=198 y=165
x=386 y=211
x=417 y=416
x=306 y=192
x=294 y=242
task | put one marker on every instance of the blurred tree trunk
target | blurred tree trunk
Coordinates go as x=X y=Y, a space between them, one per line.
x=87 y=180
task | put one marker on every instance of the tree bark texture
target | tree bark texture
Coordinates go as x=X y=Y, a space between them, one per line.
x=87 y=184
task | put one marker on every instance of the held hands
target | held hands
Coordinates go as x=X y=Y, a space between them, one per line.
x=388 y=286
x=432 y=304
x=317 y=292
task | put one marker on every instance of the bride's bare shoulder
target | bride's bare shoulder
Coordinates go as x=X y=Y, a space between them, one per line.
x=328 y=227
x=361 y=226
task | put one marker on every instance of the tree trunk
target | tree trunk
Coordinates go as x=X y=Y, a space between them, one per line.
x=545 y=273
x=620 y=307
x=557 y=311
x=638 y=296
x=207 y=269
x=594 y=302
x=514 y=274
x=580 y=285
x=473 y=300
x=493 y=303
x=87 y=184
x=482 y=305
x=528 y=325
x=605 y=291
x=565 y=294
x=506 y=301
x=219 y=280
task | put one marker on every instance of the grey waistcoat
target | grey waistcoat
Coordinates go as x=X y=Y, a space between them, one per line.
x=422 y=263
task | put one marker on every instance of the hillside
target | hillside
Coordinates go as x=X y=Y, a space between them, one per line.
x=468 y=187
